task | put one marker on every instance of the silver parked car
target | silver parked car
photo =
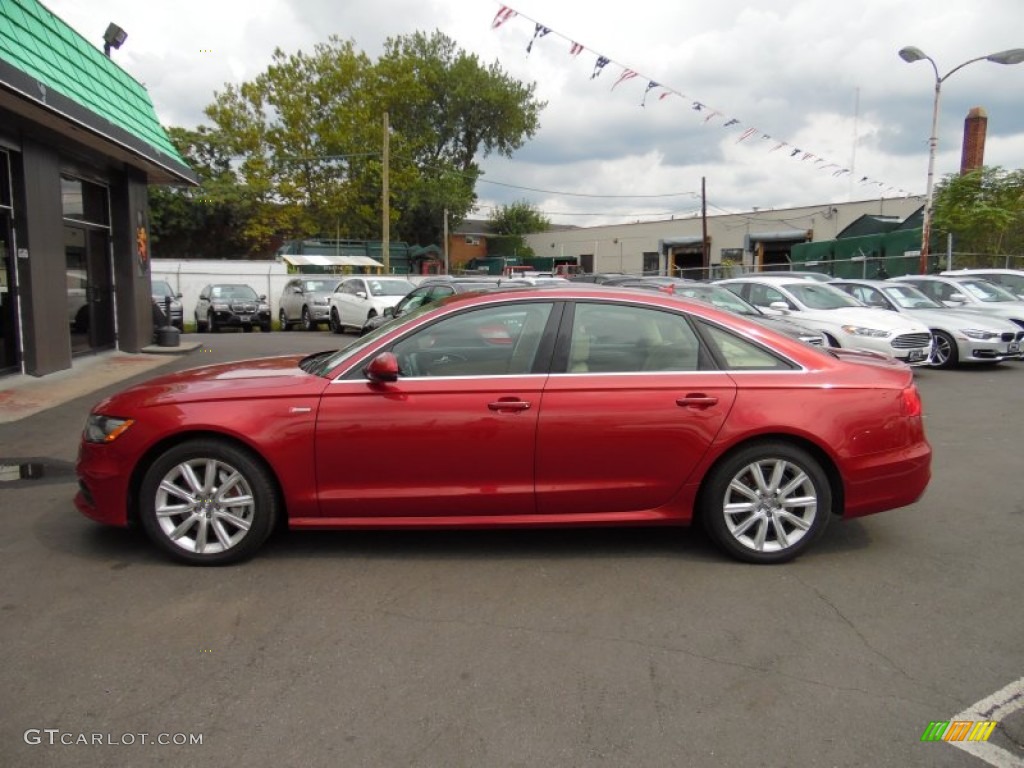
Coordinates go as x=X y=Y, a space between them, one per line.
x=969 y=293
x=961 y=335
x=1010 y=279
x=304 y=301
x=162 y=291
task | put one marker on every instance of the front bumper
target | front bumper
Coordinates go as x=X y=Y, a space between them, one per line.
x=228 y=319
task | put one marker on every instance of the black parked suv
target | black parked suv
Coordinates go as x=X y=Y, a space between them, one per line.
x=231 y=305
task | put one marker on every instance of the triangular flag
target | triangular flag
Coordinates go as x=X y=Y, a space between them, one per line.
x=503 y=15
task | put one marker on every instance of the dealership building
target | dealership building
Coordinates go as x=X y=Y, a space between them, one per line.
x=79 y=144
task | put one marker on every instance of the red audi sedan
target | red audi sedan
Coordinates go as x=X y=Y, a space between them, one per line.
x=531 y=407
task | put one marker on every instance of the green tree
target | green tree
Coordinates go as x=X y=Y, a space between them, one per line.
x=207 y=221
x=510 y=223
x=983 y=209
x=306 y=137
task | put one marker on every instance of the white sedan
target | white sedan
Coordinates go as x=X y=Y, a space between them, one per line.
x=361 y=298
x=844 y=320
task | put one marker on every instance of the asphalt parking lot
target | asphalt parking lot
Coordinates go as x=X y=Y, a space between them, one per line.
x=525 y=648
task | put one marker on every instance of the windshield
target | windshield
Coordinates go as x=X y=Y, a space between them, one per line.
x=815 y=295
x=389 y=287
x=233 y=292
x=1012 y=283
x=909 y=297
x=717 y=297
x=319 y=286
x=162 y=288
x=985 y=291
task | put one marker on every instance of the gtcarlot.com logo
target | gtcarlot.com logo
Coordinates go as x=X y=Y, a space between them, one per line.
x=57 y=737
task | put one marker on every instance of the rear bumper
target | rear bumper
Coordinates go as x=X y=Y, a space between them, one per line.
x=887 y=480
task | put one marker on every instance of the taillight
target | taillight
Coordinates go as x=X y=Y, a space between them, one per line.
x=910 y=402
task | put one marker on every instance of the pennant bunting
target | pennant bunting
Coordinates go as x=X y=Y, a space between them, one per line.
x=502 y=16
x=627 y=74
x=539 y=30
x=651 y=85
x=708 y=113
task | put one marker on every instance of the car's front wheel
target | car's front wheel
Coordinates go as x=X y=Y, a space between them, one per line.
x=283 y=320
x=767 y=502
x=207 y=502
x=308 y=324
x=200 y=326
x=336 y=326
x=211 y=323
x=945 y=353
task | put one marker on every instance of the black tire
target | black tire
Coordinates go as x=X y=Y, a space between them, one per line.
x=283 y=318
x=246 y=329
x=760 y=509
x=265 y=327
x=200 y=326
x=336 y=326
x=212 y=324
x=201 y=515
x=945 y=353
x=307 y=320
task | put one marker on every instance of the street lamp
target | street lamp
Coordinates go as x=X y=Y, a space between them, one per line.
x=910 y=54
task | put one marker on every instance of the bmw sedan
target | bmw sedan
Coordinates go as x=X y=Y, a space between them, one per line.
x=961 y=335
x=528 y=407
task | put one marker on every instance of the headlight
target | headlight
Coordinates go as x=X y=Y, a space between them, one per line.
x=981 y=335
x=320 y=301
x=856 y=330
x=105 y=429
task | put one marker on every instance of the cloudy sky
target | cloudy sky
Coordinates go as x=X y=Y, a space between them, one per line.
x=741 y=87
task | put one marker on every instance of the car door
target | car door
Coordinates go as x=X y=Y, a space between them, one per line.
x=350 y=303
x=632 y=405
x=202 y=305
x=288 y=299
x=455 y=435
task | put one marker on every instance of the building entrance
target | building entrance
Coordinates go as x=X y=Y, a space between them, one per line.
x=90 y=290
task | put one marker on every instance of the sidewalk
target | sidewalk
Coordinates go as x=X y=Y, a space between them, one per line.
x=22 y=396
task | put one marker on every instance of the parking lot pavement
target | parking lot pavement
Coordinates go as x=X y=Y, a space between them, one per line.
x=492 y=648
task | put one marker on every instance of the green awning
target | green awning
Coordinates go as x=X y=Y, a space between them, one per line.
x=45 y=62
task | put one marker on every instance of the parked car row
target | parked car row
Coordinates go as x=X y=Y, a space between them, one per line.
x=939 y=320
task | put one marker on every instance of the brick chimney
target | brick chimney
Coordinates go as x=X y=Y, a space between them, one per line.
x=975 y=126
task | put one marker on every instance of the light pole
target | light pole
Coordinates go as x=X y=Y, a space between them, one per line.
x=911 y=54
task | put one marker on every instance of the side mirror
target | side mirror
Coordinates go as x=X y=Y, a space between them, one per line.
x=956 y=298
x=361 y=294
x=384 y=367
x=263 y=297
x=779 y=306
x=389 y=312
x=296 y=289
x=177 y=295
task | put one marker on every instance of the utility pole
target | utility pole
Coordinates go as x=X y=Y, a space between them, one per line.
x=704 y=228
x=447 y=269
x=385 y=245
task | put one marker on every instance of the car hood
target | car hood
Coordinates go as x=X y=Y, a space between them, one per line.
x=882 y=319
x=262 y=378
x=962 y=319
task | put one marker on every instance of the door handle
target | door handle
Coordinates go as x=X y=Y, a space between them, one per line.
x=509 y=405
x=697 y=400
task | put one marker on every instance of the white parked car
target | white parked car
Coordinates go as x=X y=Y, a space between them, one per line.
x=960 y=335
x=845 y=321
x=1010 y=279
x=361 y=298
x=969 y=293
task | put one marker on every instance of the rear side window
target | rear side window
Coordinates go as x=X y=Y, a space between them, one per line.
x=739 y=354
x=617 y=338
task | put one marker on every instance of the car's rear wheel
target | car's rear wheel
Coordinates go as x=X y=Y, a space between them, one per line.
x=945 y=353
x=767 y=502
x=207 y=502
x=307 y=320
x=283 y=320
x=336 y=326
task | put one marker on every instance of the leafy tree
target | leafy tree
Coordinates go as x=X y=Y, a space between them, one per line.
x=205 y=221
x=510 y=223
x=984 y=209
x=306 y=137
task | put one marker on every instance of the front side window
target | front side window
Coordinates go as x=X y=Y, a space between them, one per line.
x=986 y=291
x=815 y=295
x=490 y=341
x=616 y=338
